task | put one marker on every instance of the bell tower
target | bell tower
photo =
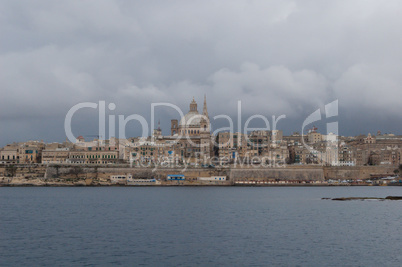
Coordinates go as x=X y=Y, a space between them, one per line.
x=204 y=124
x=174 y=127
x=205 y=132
x=205 y=111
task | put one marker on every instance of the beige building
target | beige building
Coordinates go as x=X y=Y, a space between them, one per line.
x=386 y=156
x=259 y=141
x=347 y=155
x=278 y=154
x=231 y=146
x=55 y=156
x=144 y=152
x=314 y=137
x=31 y=152
x=383 y=149
x=10 y=154
x=93 y=157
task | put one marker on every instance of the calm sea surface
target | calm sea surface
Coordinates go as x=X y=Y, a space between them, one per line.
x=173 y=226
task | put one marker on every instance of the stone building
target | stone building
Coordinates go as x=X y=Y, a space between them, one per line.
x=346 y=155
x=31 y=152
x=231 y=146
x=383 y=149
x=93 y=157
x=55 y=156
x=193 y=133
x=259 y=141
x=10 y=154
x=314 y=137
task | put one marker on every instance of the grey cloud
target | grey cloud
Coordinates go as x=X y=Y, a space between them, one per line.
x=278 y=57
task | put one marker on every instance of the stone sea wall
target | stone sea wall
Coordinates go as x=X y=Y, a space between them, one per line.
x=95 y=175
x=306 y=174
x=358 y=172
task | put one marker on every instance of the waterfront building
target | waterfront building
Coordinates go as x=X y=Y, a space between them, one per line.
x=383 y=149
x=10 y=154
x=278 y=154
x=93 y=157
x=55 y=156
x=346 y=155
x=31 y=152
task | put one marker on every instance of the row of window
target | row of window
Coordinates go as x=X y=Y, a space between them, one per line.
x=8 y=157
x=96 y=148
x=192 y=131
x=144 y=148
x=93 y=156
x=91 y=162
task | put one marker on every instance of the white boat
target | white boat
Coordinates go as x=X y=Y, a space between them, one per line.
x=119 y=179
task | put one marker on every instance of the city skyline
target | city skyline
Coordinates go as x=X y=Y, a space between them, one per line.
x=164 y=113
x=192 y=141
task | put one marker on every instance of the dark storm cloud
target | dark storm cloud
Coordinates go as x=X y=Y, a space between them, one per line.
x=278 y=57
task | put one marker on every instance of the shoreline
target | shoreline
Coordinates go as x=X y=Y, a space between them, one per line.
x=74 y=175
x=193 y=185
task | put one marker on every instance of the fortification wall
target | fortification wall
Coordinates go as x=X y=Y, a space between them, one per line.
x=358 y=172
x=101 y=174
x=312 y=174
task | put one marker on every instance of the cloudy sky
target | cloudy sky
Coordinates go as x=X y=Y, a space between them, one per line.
x=276 y=56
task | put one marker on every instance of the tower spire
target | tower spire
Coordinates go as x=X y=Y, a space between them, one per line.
x=193 y=105
x=205 y=112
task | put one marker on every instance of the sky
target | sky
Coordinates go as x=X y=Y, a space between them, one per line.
x=278 y=57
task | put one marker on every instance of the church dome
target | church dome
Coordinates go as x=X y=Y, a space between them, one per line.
x=191 y=119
